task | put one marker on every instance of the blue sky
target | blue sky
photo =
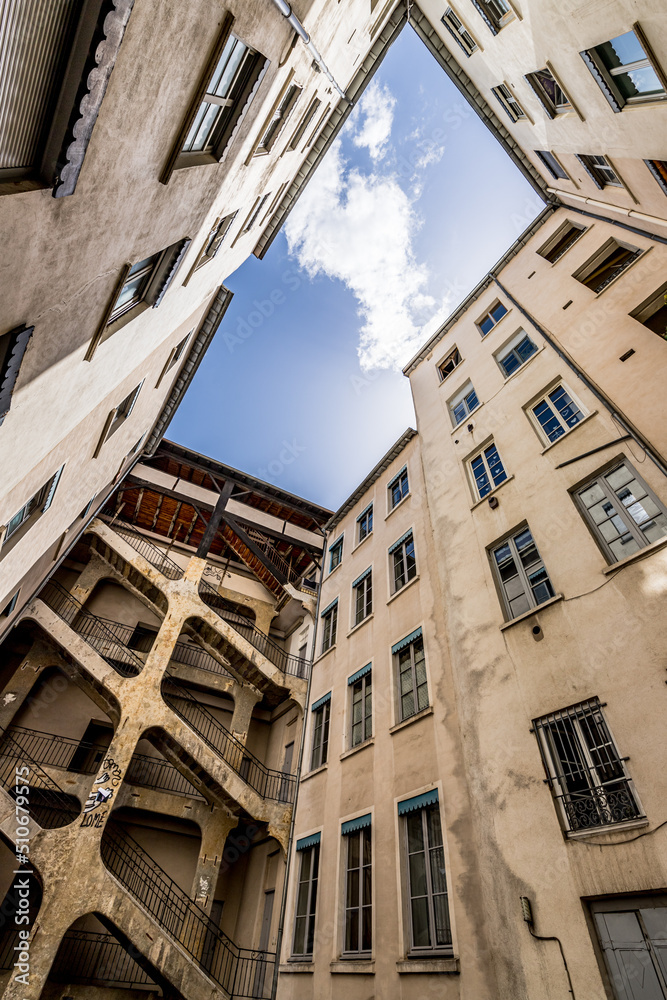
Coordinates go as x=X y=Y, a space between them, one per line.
x=411 y=206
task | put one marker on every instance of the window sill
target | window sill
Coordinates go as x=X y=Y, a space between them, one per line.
x=432 y=965
x=332 y=571
x=355 y=628
x=413 y=718
x=311 y=774
x=631 y=824
x=484 y=336
x=637 y=556
x=576 y=427
x=466 y=420
x=443 y=380
x=359 y=967
x=493 y=491
x=399 y=504
x=403 y=588
x=360 y=746
x=364 y=539
x=117 y=324
x=296 y=966
x=531 y=612
x=325 y=653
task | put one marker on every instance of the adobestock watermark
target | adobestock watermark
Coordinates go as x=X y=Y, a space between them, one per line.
x=288 y=454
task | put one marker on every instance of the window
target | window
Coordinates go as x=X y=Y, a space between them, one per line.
x=508 y=102
x=134 y=286
x=600 y=170
x=363 y=596
x=463 y=404
x=632 y=933
x=516 y=353
x=254 y=215
x=496 y=13
x=557 y=413
x=10 y=606
x=623 y=70
x=491 y=318
x=659 y=170
x=565 y=236
x=586 y=775
x=178 y=352
x=524 y=581
x=336 y=554
x=608 y=263
x=329 y=625
x=279 y=119
x=361 y=694
x=487 y=471
x=623 y=513
x=402 y=554
x=411 y=675
x=553 y=98
x=118 y=416
x=398 y=488
x=458 y=31
x=214 y=240
x=308 y=850
x=300 y=130
x=13 y=346
x=321 y=714
x=358 y=887
x=552 y=164
x=653 y=312
x=426 y=878
x=452 y=361
x=365 y=523
x=37 y=505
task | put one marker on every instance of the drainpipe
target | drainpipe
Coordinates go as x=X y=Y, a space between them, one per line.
x=296 y=24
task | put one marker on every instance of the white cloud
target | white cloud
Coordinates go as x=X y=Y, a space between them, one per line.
x=359 y=229
x=371 y=121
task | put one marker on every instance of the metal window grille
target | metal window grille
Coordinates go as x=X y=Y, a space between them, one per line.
x=412 y=681
x=362 y=710
x=405 y=564
x=430 y=929
x=306 y=902
x=458 y=31
x=363 y=601
x=321 y=718
x=585 y=773
x=557 y=413
x=358 y=894
x=488 y=471
x=523 y=578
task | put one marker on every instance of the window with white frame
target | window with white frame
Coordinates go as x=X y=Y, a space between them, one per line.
x=329 y=626
x=565 y=237
x=622 y=511
x=404 y=564
x=515 y=353
x=487 y=471
x=336 y=553
x=321 y=715
x=521 y=574
x=365 y=523
x=549 y=91
x=308 y=851
x=37 y=505
x=496 y=13
x=509 y=103
x=552 y=164
x=452 y=361
x=425 y=878
x=411 y=675
x=610 y=261
x=463 y=404
x=585 y=771
x=362 y=590
x=458 y=31
x=652 y=312
x=491 y=318
x=600 y=170
x=557 y=413
x=358 y=922
x=279 y=119
x=361 y=705
x=625 y=71
x=398 y=488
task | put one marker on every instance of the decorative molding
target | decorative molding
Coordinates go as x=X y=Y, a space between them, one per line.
x=600 y=80
x=16 y=348
x=177 y=252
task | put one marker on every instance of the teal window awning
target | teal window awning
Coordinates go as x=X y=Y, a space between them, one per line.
x=403 y=538
x=359 y=674
x=352 y=825
x=365 y=511
x=321 y=701
x=397 y=477
x=418 y=802
x=398 y=646
x=366 y=572
x=337 y=542
x=306 y=842
x=329 y=608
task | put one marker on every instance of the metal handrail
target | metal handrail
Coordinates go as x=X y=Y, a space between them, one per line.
x=47 y=803
x=263 y=543
x=159 y=774
x=151 y=553
x=57 y=751
x=240 y=971
x=94 y=958
x=296 y=666
x=92 y=629
x=195 y=656
x=266 y=782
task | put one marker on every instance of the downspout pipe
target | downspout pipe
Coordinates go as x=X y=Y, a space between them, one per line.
x=296 y=24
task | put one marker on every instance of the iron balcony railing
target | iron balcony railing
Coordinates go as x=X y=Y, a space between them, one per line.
x=272 y=554
x=96 y=959
x=266 y=782
x=296 y=666
x=58 y=751
x=243 y=973
x=596 y=805
x=195 y=656
x=151 y=553
x=92 y=629
x=159 y=774
x=47 y=803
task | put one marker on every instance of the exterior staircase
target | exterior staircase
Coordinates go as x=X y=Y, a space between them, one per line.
x=48 y=804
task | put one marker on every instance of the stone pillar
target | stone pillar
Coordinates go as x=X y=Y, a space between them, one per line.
x=245 y=699
x=95 y=570
x=265 y=614
x=194 y=569
x=214 y=835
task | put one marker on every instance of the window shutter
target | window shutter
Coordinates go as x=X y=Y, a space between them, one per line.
x=52 y=489
x=491 y=24
x=16 y=342
x=306 y=842
x=591 y=174
x=352 y=825
x=600 y=80
x=173 y=259
x=418 y=802
x=321 y=701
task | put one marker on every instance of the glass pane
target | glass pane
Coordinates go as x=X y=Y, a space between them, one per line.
x=438 y=880
x=421 y=937
x=367 y=929
x=548 y=421
x=592 y=494
x=417 y=871
x=199 y=117
x=352 y=930
x=407 y=705
x=510 y=363
x=353 y=850
x=434 y=826
x=459 y=412
x=568 y=410
x=201 y=138
x=422 y=697
x=481 y=478
x=299 y=935
x=353 y=887
x=130 y=292
x=443 y=934
x=623 y=547
x=471 y=400
x=415 y=833
x=621 y=50
x=498 y=312
x=229 y=62
x=486 y=324
x=366 y=899
x=495 y=465
x=526 y=349
x=640 y=82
